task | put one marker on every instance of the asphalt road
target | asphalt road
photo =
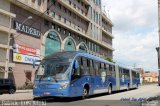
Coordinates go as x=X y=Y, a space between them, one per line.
x=135 y=97
x=143 y=92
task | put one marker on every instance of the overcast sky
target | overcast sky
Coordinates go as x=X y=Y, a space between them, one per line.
x=135 y=31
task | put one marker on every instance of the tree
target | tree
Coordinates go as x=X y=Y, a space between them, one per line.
x=109 y=59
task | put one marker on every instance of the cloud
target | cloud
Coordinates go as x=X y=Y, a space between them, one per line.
x=139 y=50
x=135 y=30
x=128 y=15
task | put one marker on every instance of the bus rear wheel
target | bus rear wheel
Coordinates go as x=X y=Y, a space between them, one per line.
x=110 y=89
x=137 y=86
x=128 y=87
x=85 y=93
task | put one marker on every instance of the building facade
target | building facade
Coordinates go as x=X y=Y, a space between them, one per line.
x=6 y=18
x=47 y=26
x=150 y=77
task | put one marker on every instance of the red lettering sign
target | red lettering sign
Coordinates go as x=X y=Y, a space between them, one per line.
x=26 y=50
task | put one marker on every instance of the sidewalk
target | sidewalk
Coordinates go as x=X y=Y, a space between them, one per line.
x=19 y=95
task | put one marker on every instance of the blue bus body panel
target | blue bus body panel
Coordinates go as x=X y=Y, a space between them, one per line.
x=96 y=85
x=45 y=88
x=124 y=83
x=51 y=92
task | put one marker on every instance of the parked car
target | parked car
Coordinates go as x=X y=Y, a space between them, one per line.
x=7 y=86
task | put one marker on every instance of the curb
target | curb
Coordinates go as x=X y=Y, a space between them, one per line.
x=24 y=92
x=27 y=91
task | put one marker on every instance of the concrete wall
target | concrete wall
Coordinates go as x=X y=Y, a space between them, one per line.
x=5 y=5
x=2 y=55
x=19 y=73
x=4 y=20
x=3 y=38
x=106 y=39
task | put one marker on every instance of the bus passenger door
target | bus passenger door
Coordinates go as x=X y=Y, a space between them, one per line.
x=122 y=79
x=76 y=83
x=117 y=78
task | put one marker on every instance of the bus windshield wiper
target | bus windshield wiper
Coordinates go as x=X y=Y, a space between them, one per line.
x=41 y=77
x=55 y=79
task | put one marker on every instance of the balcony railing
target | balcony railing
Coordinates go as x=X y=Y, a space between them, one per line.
x=6 y=29
x=104 y=16
x=86 y=2
x=32 y=4
x=106 y=44
x=68 y=23
x=107 y=33
x=76 y=10
x=107 y=29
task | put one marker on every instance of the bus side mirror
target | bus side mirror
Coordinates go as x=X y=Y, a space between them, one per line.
x=76 y=65
x=33 y=64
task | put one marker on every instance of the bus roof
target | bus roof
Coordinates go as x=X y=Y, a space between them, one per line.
x=73 y=54
x=66 y=54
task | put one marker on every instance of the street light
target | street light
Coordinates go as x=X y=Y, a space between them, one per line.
x=158 y=54
x=158 y=48
x=28 y=18
x=8 y=50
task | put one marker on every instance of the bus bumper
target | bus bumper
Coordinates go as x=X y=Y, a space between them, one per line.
x=50 y=92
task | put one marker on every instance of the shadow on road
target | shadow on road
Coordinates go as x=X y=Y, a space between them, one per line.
x=57 y=99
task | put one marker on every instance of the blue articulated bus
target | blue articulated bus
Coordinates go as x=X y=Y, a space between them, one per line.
x=73 y=74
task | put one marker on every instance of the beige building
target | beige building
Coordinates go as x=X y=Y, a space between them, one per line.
x=150 y=77
x=5 y=32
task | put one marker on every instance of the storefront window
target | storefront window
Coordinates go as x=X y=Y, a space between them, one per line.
x=52 y=43
x=69 y=45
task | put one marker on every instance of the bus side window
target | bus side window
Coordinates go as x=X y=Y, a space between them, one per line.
x=126 y=73
x=133 y=74
x=96 y=68
x=98 y=73
x=84 y=67
x=120 y=72
x=102 y=71
x=113 y=71
x=110 y=69
x=92 y=71
x=76 y=71
x=137 y=75
x=105 y=67
x=107 y=70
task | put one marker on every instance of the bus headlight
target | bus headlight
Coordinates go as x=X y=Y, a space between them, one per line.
x=64 y=86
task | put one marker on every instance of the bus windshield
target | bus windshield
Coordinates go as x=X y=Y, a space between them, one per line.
x=53 y=69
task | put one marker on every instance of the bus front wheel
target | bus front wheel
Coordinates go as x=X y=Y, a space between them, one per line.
x=85 y=93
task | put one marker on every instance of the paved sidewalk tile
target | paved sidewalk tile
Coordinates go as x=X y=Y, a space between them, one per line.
x=17 y=96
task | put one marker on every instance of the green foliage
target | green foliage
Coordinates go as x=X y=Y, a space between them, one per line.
x=109 y=59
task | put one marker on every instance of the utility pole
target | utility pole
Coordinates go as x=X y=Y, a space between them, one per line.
x=158 y=48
